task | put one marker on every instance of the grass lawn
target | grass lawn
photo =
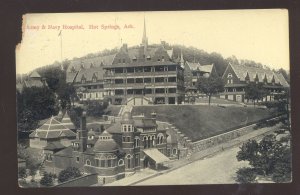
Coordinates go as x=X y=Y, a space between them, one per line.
x=200 y=121
x=215 y=100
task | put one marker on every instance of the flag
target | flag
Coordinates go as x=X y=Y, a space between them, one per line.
x=59 y=33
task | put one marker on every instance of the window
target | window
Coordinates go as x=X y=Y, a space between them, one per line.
x=124 y=61
x=119 y=92
x=174 y=151
x=137 y=160
x=171 y=79
x=121 y=162
x=229 y=75
x=130 y=70
x=119 y=81
x=159 y=79
x=130 y=80
x=139 y=80
x=128 y=161
x=129 y=128
x=109 y=163
x=147 y=80
x=160 y=90
x=124 y=139
x=77 y=159
x=97 y=162
x=172 y=90
x=136 y=142
x=147 y=69
x=102 y=163
x=129 y=91
x=124 y=128
x=88 y=162
x=128 y=139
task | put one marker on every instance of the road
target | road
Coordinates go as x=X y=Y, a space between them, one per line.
x=217 y=169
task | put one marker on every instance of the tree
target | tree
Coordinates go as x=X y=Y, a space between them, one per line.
x=245 y=175
x=68 y=174
x=255 y=92
x=47 y=179
x=269 y=157
x=210 y=86
x=34 y=104
x=96 y=108
x=22 y=172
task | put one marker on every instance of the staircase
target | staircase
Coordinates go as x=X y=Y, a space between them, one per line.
x=42 y=168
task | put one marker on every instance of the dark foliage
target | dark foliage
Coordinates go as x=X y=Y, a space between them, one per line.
x=68 y=174
x=75 y=114
x=269 y=157
x=245 y=175
x=34 y=104
x=47 y=179
x=22 y=172
x=210 y=86
x=96 y=108
x=255 y=92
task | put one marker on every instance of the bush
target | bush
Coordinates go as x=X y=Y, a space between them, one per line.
x=47 y=179
x=68 y=174
x=22 y=173
x=246 y=175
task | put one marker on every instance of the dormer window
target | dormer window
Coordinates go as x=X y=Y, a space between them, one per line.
x=163 y=58
x=83 y=79
x=94 y=79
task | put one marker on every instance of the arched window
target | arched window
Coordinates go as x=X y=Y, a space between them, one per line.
x=136 y=142
x=160 y=138
x=129 y=128
x=145 y=142
x=128 y=159
x=153 y=140
x=174 y=151
x=88 y=162
x=121 y=162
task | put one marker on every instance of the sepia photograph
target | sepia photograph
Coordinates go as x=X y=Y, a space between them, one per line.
x=153 y=98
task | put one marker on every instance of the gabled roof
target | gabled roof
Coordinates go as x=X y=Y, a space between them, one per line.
x=241 y=72
x=88 y=67
x=34 y=74
x=52 y=129
x=197 y=66
x=66 y=121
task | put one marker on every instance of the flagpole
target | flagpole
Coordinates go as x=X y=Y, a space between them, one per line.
x=61 y=59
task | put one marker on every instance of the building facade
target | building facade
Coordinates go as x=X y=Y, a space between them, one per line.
x=237 y=77
x=126 y=146
x=138 y=76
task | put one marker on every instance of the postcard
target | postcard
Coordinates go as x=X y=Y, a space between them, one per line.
x=153 y=98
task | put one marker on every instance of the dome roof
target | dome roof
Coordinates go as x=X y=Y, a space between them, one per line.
x=127 y=117
x=105 y=143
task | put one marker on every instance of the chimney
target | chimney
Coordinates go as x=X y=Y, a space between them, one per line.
x=82 y=133
x=153 y=115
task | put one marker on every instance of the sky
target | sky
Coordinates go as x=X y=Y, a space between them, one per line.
x=259 y=35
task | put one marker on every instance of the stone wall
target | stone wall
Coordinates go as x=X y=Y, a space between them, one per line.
x=85 y=180
x=218 y=139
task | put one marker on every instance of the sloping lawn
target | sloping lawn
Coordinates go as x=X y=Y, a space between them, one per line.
x=199 y=121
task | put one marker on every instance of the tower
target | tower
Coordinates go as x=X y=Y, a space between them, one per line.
x=145 y=39
x=129 y=143
x=82 y=133
x=181 y=60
